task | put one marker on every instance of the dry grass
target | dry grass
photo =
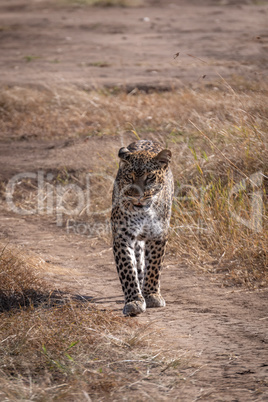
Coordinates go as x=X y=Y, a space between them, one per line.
x=20 y=286
x=218 y=137
x=72 y=113
x=220 y=219
x=60 y=348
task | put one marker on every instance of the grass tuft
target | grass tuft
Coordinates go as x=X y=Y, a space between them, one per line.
x=20 y=285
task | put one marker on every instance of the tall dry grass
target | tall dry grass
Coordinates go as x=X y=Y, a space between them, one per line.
x=220 y=220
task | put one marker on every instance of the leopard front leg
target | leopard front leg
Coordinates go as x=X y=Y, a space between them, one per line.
x=139 y=256
x=126 y=265
x=154 y=256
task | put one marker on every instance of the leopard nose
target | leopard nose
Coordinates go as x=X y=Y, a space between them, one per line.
x=136 y=191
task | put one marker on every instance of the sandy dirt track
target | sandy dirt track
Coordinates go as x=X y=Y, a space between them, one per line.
x=130 y=47
x=221 y=331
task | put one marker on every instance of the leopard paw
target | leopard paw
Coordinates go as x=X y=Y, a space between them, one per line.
x=134 y=307
x=155 y=300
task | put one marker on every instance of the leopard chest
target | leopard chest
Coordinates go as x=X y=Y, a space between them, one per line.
x=144 y=226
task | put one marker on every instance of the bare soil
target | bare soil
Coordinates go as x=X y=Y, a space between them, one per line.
x=221 y=331
x=44 y=43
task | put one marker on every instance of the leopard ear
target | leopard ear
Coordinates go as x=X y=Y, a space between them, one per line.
x=123 y=155
x=123 y=152
x=164 y=157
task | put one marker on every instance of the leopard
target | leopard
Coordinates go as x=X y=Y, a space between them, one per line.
x=140 y=220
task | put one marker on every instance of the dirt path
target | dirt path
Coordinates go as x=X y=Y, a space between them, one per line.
x=132 y=47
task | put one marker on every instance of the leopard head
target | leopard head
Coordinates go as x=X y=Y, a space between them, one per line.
x=141 y=177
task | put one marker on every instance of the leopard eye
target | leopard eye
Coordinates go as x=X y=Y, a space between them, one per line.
x=129 y=177
x=150 y=177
